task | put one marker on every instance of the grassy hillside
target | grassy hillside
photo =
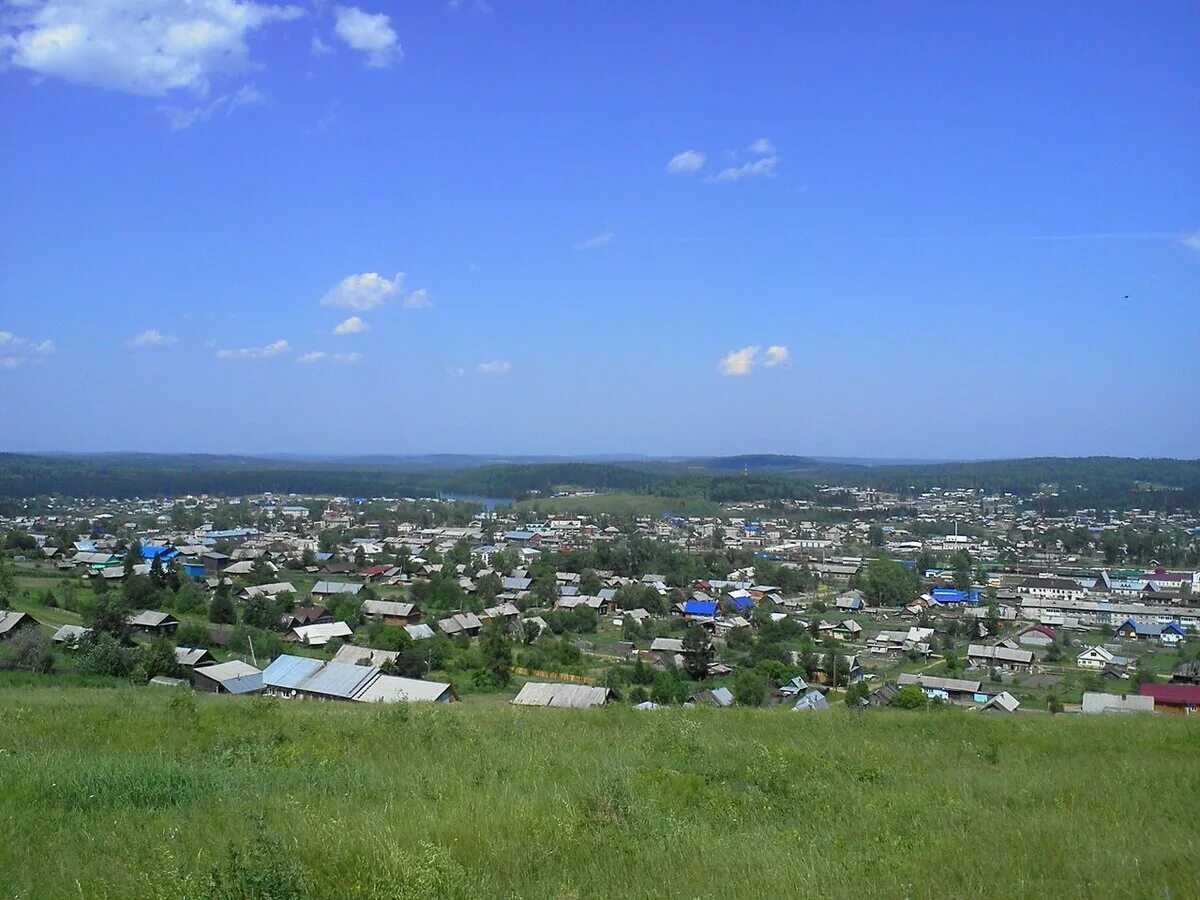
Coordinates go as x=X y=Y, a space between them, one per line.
x=123 y=792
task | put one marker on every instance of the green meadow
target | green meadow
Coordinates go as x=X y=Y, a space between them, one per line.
x=153 y=792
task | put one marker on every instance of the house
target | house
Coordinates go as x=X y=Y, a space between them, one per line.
x=793 y=688
x=852 y=601
x=297 y=676
x=813 y=699
x=13 y=623
x=1051 y=588
x=718 y=697
x=392 y=612
x=1187 y=673
x=266 y=590
x=305 y=615
x=1096 y=702
x=353 y=655
x=1177 y=699
x=1100 y=658
x=948 y=596
x=461 y=623
x=192 y=657
x=318 y=635
x=1168 y=634
x=999 y=657
x=1003 y=702
x=233 y=677
x=334 y=588
x=154 y=624
x=395 y=689
x=1036 y=636
x=955 y=689
x=569 y=696
x=70 y=633
x=699 y=609
x=848 y=629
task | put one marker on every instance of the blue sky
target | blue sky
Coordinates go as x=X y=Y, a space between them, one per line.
x=898 y=230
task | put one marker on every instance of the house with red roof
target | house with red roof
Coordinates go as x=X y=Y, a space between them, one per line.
x=1178 y=699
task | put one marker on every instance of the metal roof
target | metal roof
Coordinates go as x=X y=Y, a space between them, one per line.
x=339 y=680
x=393 y=689
x=289 y=672
x=573 y=696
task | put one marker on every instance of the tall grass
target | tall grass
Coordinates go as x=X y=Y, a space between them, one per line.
x=131 y=792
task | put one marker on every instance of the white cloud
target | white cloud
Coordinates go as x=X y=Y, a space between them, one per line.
x=318 y=46
x=456 y=371
x=363 y=292
x=19 y=350
x=317 y=356
x=738 y=362
x=151 y=337
x=686 y=162
x=418 y=299
x=181 y=117
x=760 y=168
x=371 y=33
x=1191 y=241
x=273 y=349
x=600 y=240
x=762 y=147
x=776 y=356
x=352 y=325
x=497 y=367
x=145 y=47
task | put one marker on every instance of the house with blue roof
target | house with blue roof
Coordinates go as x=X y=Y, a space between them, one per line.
x=1169 y=633
x=948 y=596
x=699 y=609
x=154 y=551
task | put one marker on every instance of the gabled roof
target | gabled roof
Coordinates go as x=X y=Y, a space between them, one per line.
x=573 y=696
x=700 y=608
x=1173 y=694
x=336 y=587
x=151 y=618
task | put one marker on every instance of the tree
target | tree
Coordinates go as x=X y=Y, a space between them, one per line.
x=8 y=585
x=961 y=564
x=696 y=651
x=886 y=582
x=360 y=556
x=152 y=660
x=497 y=650
x=749 y=688
x=875 y=535
x=109 y=615
x=221 y=610
x=589 y=583
x=157 y=577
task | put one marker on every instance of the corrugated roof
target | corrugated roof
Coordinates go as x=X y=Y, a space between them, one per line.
x=393 y=689
x=340 y=680
x=289 y=672
x=573 y=696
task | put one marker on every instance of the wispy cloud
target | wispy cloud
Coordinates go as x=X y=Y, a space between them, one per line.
x=352 y=325
x=151 y=337
x=276 y=348
x=759 y=168
x=686 y=162
x=776 y=355
x=762 y=147
x=496 y=367
x=600 y=240
x=1191 y=241
x=317 y=356
x=743 y=361
x=418 y=299
x=738 y=362
x=181 y=117
x=370 y=33
x=15 y=351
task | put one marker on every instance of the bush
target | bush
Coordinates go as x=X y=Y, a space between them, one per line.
x=30 y=649
x=909 y=697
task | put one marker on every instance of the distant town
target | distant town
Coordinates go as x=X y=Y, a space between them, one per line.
x=859 y=596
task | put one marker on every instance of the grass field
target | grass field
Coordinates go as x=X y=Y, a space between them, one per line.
x=128 y=792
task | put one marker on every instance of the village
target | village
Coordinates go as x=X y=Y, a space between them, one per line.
x=954 y=598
